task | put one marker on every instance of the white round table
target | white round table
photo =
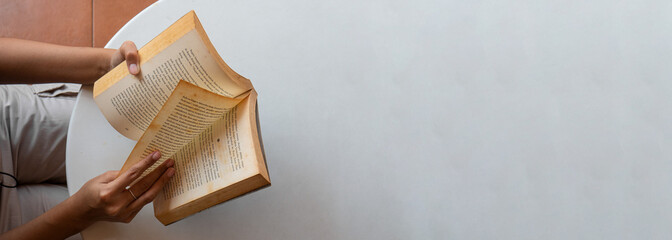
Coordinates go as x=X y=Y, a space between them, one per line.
x=430 y=120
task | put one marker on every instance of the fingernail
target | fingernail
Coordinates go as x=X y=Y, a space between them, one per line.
x=133 y=68
x=170 y=163
x=170 y=172
x=156 y=155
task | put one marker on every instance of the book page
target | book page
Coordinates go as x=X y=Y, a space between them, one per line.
x=186 y=114
x=220 y=156
x=131 y=103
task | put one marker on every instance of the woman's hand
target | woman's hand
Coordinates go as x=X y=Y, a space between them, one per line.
x=102 y=198
x=108 y=198
x=127 y=52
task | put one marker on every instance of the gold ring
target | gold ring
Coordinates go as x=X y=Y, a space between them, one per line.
x=131 y=192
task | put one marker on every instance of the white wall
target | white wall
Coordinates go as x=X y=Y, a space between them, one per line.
x=450 y=119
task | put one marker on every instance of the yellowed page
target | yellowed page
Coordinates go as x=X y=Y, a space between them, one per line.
x=188 y=111
x=131 y=103
x=224 y=154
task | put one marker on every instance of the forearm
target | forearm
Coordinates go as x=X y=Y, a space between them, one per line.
x=23 y=61
x=62 y=221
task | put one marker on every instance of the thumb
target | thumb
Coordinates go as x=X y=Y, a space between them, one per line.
x=130 y=53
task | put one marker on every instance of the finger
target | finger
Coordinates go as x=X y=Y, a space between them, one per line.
x=135 y=171
x=130 y=53
x=145 y=183
x=108 y=176
x=151 y=193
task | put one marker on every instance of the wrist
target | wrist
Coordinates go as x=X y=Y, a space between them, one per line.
x=105 y=61
x=95 y=62
x=73 y=213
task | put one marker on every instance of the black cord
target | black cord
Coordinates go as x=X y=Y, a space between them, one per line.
x=2 y=183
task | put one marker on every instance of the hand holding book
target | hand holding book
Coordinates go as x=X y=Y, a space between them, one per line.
x=128 y=52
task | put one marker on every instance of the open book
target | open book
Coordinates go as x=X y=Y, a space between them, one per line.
x=195 y=109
